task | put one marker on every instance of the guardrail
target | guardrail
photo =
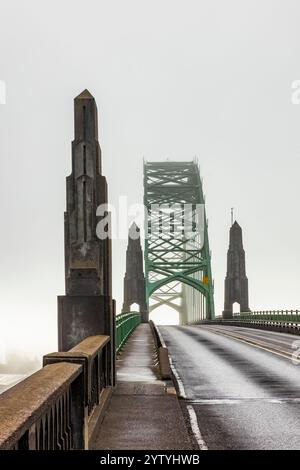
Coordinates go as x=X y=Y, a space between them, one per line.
x=53 y=409
x=278 y=315
x=126 y=323
x=287 y=321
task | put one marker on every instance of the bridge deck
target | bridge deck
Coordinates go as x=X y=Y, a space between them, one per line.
x=143 y=413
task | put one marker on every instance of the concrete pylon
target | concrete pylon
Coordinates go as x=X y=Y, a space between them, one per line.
x=236 y=282
x=134 y=279
x=87 y=308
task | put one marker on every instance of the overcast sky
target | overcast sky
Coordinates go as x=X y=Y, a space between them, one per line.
x=172 y=79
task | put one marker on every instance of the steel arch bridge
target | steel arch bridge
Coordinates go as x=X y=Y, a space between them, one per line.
x=177 y=255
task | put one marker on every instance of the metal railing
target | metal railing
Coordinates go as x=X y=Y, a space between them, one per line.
x=52 y=409
x=287 y=321
x=277 y=315
x=125 y=325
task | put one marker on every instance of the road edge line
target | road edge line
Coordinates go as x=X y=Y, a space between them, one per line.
x=176 y=376
x=252 y=343
x=195 y=428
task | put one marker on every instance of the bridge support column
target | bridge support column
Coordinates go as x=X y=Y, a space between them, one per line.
x=134 y=280
x=87 y=309
x=236 y=282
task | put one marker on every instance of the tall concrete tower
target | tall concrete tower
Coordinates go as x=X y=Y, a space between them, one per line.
x=134 y=279
x=87 y=308
x=236 y=282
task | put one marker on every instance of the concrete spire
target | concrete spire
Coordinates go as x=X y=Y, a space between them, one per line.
x=87 y=309
x=86 y=190
x=85 y=94
x=134 y=279
x=236 y=282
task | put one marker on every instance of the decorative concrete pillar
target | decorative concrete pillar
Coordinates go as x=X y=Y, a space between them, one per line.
x=87 y=308
x=236 y=282
x=134 y=279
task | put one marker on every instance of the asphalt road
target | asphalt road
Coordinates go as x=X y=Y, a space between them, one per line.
x=240 y=382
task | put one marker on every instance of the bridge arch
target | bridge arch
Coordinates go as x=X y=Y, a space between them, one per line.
x=176 y=241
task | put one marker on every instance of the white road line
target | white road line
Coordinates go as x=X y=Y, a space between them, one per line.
x=250 y=342
x=182 y=393
x=195 y=428
x=238 y=401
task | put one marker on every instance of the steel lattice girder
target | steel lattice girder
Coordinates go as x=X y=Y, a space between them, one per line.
x=172 y=196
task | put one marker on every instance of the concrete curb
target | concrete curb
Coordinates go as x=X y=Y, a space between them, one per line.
x=162 y=353
x=172 y=369
x=165 y=368
x=164 y=363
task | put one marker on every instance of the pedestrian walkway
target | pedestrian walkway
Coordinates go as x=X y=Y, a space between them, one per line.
x=144 y=412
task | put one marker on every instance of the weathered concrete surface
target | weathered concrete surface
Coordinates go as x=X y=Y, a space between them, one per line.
x=22 y=405
x=87 y=308
x=142 y=413
x=137 y=361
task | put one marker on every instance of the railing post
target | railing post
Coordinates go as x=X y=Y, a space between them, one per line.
x=79 y=414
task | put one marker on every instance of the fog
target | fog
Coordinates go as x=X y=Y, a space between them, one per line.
x=172 y=79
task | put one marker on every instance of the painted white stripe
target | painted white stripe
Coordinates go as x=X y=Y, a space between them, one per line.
x=250 y=342
x=182 y=393
x=238 y=401
x=216 y=401
x=195 y=428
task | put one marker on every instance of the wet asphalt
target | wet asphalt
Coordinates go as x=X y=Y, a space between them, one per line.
x=241 y=383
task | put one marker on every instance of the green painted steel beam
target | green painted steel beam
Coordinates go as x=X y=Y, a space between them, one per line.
x=177 y=256
x=126 y=323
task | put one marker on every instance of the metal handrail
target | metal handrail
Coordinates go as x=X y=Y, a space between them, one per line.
x=276 y=315
x=125 y=325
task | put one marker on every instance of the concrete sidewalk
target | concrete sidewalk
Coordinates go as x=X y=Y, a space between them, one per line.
x=144 y=412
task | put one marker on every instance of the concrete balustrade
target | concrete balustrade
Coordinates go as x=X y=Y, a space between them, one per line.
x=59 y=406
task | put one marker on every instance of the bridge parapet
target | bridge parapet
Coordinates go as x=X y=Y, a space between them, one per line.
x=55 y=408
x=270 y=315
x=287 y=321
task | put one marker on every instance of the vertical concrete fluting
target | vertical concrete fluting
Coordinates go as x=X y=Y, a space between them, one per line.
x=87 y=308
x=236 y=282
x=134 y=279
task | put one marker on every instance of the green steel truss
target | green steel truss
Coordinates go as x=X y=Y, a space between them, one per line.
x=177 y=255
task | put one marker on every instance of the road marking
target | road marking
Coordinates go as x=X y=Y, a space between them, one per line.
x=238 y=401
x=215 y=401
x=195 y=428
x=286 y=355
x=250 y=334
x=180 y=385
x=260 y=339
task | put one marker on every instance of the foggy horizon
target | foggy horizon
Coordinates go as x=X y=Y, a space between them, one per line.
x=212 y=80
